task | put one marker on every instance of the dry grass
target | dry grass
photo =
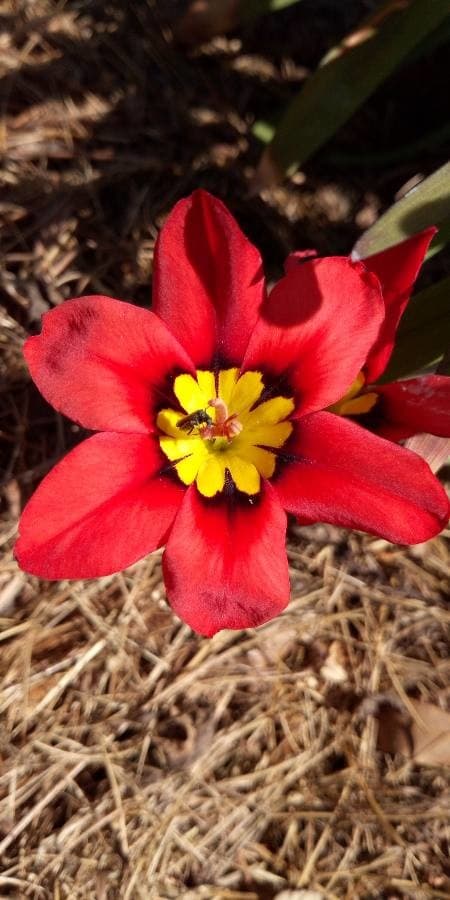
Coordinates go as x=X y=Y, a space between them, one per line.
x=141 y=761
x=138 y=760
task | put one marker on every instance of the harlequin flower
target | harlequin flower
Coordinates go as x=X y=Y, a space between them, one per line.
x=211 y=426
x=402 y=408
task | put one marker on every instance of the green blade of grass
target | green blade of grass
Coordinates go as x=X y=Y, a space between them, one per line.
x=426 y=204
x=424 y=332
x=338 y=87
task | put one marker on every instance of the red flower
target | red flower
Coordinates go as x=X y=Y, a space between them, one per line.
x=209 y=409
x=402 y=408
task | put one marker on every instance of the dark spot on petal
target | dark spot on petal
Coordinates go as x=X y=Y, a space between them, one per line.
x=254 y=615
x=232 y=497
x=230 y=611
x=53 y=360
x=274 y=386
x=168 y=470
x=164 y=393
x=80 y=321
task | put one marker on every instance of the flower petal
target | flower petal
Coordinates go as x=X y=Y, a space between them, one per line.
x=415 y=406
x=244 y=473
x=297 y=258
x=208 y=282
x=211 y=475
x=262 y=459
x=266 y=436
x=397 y=269
x=194 y=393
x=103 y=363
x=342 y=474
x=317 y=327
x=270 y=412
x=234 y=574
x=104 y=506
x=247 y=392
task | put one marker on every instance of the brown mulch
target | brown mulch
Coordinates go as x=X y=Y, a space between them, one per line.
x=138 y=760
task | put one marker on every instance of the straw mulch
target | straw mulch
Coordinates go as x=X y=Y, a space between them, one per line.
x=141 y=761
x=136 y=759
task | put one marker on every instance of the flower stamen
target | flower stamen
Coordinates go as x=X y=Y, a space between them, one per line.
x=225 y=426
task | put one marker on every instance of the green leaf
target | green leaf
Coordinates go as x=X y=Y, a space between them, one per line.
x=343 y=83
x=424 y=332
x=432 y=42
x=426 y=204
x=440 y=239
x=426 y=144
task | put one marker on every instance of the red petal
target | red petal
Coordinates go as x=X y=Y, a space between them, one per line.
x=103 y=507
x=208 y=281
x=397 y=269
x=297 y=258
x=317 y=327
x=103 y=362
x=225 y=562
x=415 y=406
x=347 y=476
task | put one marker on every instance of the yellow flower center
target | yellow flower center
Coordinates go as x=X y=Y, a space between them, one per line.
x=355 y=403
x=222 y=428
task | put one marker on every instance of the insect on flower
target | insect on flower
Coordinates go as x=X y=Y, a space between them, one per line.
x=216 y=416
x=194 y=420
x=224 y=426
